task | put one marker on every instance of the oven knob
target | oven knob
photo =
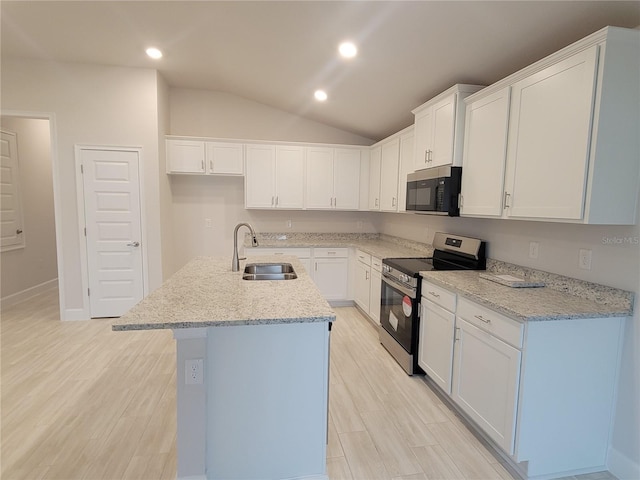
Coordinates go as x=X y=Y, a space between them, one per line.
x=404 y=278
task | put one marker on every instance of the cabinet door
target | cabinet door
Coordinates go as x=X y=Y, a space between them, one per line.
x=330 y=275
x=224 y=158
x=362 y=286
x=289 y=177
x=444 y=122
x=423 y=131
x=486 y=377
x=374 y=178
x=375 y=294
x=549 y=138
x=260 y=177
x=406 y=167
x=389 y=176
x=346 y=178
x=435 y=347
x=319 y=178
x=185 y=156
x=485 y=151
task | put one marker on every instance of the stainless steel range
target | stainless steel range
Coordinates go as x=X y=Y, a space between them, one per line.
x=400 y=292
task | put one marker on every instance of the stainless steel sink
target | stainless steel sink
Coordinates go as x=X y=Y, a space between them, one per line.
x=269 y=271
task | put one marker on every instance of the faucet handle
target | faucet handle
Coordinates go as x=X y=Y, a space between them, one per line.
x=254 y=241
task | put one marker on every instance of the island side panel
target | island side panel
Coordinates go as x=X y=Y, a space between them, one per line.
x=267 y=401
x=191 y=400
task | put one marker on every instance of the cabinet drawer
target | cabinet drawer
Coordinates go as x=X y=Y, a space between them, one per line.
x=506 y=329
x=439 y=296
x=330 y=252
x=376 y=264
x=296 y=252
x=363 y=257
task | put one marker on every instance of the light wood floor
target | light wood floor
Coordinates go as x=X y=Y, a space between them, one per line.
x=80 y=401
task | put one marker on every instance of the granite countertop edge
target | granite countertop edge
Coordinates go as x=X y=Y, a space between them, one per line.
x=464 y=280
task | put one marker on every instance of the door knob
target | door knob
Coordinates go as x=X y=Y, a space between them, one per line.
x=133 y=244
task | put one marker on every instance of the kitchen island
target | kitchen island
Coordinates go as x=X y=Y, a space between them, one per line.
x=252 y=369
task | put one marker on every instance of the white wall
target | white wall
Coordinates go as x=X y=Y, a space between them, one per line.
x=94 y=105
x=165 y=201
x=203 y=113
x=616 y=263
x=26 y=268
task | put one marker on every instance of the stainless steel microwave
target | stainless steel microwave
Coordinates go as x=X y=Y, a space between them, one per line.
x=435 y=191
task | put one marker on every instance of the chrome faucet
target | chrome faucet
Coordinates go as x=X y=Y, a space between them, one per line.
x=235 y=263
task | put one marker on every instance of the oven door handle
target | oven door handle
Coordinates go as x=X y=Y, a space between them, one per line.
x=393 y=284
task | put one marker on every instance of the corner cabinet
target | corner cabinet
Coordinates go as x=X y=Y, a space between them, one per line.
x=204 y=157
x=438 y=128
x=557 y=141
x=333 y=178
x=531 y=388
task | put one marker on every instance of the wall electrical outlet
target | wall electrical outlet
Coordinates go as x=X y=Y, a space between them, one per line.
x=194 y=371
x=584 y=259
x=534 y=248
x=288 y=223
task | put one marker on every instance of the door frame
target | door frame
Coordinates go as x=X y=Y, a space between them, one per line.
x=84 y=269
x=57 y=209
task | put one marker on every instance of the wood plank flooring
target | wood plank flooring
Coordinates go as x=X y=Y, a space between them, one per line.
x=79 y=401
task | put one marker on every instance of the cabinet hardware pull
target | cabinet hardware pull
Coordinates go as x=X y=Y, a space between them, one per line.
x=456 y=337
x=211 y=165
x=506 y=196
x=203 y=165
x=434 y=294
x=316 y=266
x=479 y=317
x=460 y=200
x=376 y=202
x=426 y=156
x=331 y=253
x=366 y=275
x=277 y=200
x=393 y=201
x=272 y=201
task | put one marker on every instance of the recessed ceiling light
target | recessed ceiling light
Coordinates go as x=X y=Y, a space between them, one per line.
x=154 y=53
x=320 y=95
x=348 y=50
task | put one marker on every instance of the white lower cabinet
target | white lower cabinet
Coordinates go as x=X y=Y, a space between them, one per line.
x=362 y=293
x=330 y=272
x=542 y=391
x=375 y=289
x=486 y=375
x=435 y=347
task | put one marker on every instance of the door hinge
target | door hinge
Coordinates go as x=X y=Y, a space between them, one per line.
x=85 y=231
x=88 y=292
x=81 y=168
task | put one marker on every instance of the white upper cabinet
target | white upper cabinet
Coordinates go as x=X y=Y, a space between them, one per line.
x=438 y=128
x=199 y=156
x=485 y=151
x=405 y=167
x=185 y=156
x=375 y=159
x=549 y=136
x=274 y=176
x=333 y=178
x=225 y=158
x=389 y=176
x=572 y=142
x=259 y=181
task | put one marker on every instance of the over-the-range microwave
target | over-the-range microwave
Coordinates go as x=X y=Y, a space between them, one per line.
x=434 y=191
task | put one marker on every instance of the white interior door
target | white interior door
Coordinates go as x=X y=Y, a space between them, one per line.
x=111 y=184
x=11 y=221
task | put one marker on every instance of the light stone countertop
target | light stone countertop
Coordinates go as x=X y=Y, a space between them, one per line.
x=528 y=304
x=206 y=293
x=381 y=246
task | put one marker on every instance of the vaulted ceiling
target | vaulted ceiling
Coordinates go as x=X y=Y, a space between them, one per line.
x=278 y=53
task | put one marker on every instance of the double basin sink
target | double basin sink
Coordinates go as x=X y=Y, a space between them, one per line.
x=269 y=271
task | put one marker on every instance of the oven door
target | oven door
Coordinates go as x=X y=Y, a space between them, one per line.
x=399 y=312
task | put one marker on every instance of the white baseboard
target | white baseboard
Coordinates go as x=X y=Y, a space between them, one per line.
x=27 y=293
x=193 y=477
x=76 y=315
x=622 y=466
